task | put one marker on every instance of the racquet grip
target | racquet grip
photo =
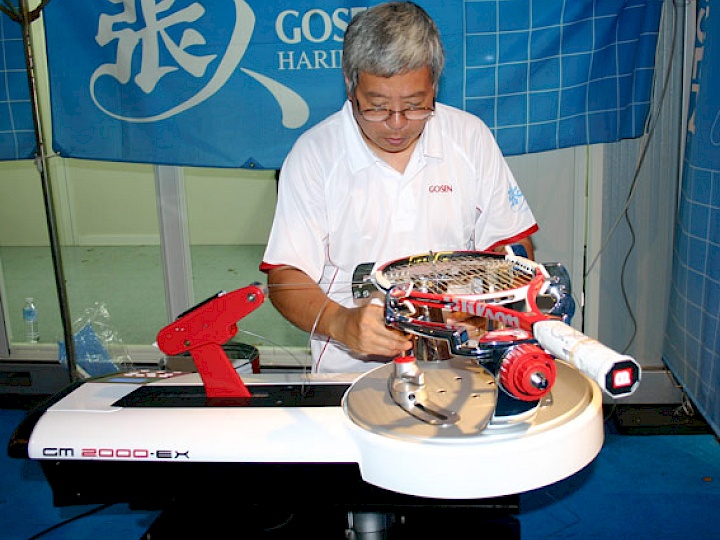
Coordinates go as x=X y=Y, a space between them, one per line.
x=617 y=374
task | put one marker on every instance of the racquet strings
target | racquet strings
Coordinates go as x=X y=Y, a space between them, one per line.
x=462 y=274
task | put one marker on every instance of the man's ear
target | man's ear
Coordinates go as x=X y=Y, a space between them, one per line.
x=347 y=88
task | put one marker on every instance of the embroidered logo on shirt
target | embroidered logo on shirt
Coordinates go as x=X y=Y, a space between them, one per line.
x=515 y=197
x=440 y=188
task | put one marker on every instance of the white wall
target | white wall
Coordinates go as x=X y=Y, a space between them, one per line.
x=230 y=206
x=105 y=203
x=554 y=185
x=111 y=204
x=22 y=214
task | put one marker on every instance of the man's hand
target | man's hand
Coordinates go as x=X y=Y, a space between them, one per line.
x=363 y=330
x=476 y=327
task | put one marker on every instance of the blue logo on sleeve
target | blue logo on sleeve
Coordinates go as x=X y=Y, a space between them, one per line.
x=516 y=197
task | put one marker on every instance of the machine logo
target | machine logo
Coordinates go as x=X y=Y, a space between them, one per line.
x=58 y=452
x=114 y=453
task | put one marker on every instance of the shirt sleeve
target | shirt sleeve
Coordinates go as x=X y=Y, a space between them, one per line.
x=502 y=213
x=299 y=231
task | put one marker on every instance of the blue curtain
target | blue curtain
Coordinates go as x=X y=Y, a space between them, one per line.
x=692 y=339
x=17 y=132
x=232 y=83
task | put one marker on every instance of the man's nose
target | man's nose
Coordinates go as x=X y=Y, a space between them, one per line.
x=396 y=119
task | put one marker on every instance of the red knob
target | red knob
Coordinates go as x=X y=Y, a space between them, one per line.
x=527 y=372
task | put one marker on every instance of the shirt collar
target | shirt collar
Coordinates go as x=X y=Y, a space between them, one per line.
x=364 y=158
x=432 y=136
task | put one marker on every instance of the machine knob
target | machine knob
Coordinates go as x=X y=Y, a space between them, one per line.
x=527 y=372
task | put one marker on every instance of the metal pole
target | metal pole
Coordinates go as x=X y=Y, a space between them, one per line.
x=27 y=17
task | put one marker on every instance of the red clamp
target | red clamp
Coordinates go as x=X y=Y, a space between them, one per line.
x=527 y=372
x=203 y=329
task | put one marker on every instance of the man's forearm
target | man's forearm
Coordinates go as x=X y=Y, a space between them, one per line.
x=527 y=243
x=300 y=300
x=360 y=329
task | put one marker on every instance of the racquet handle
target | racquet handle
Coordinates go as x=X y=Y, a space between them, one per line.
x=617 y=375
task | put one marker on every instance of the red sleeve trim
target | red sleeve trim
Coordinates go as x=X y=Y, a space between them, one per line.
x=516 y=238
x=266 y=267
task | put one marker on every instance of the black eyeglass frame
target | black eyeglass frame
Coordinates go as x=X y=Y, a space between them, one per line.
x=426 y=112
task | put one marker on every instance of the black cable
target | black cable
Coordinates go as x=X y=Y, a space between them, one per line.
x=626 y=301
x=651 y=124
x=15 y=12
x=650 y=131
x=10 y=10
x=70 y=520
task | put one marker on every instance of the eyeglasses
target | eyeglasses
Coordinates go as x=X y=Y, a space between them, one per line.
x=382 y=115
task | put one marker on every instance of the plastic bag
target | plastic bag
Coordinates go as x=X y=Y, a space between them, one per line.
x=99 y=349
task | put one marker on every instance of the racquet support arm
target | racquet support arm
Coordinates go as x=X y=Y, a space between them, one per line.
x=408 y=390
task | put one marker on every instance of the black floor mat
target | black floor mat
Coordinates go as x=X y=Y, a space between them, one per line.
x=655 y=420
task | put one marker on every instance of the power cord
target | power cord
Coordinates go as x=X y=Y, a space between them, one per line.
x=650 y=125
x=70 y=520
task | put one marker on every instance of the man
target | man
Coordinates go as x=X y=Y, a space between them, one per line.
x=392 y=174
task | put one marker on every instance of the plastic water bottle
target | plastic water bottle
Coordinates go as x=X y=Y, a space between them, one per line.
x=30 y=317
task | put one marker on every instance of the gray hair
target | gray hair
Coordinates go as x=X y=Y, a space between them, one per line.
x=391 y=39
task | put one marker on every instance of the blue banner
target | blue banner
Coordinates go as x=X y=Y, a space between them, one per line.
x=17 y=129
x=232 y=83
x=692 y=338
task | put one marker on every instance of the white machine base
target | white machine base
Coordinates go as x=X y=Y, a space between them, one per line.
x=401 y=453
x=174 y=425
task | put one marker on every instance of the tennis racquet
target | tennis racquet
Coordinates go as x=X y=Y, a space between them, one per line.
x=506 y=290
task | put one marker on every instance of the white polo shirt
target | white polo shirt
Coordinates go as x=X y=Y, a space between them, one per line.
x=339 y=206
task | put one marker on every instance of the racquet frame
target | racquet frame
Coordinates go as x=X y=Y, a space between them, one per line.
x=403 y=287
x=428 y=281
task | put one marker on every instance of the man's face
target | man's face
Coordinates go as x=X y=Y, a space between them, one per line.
x=410 y=90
